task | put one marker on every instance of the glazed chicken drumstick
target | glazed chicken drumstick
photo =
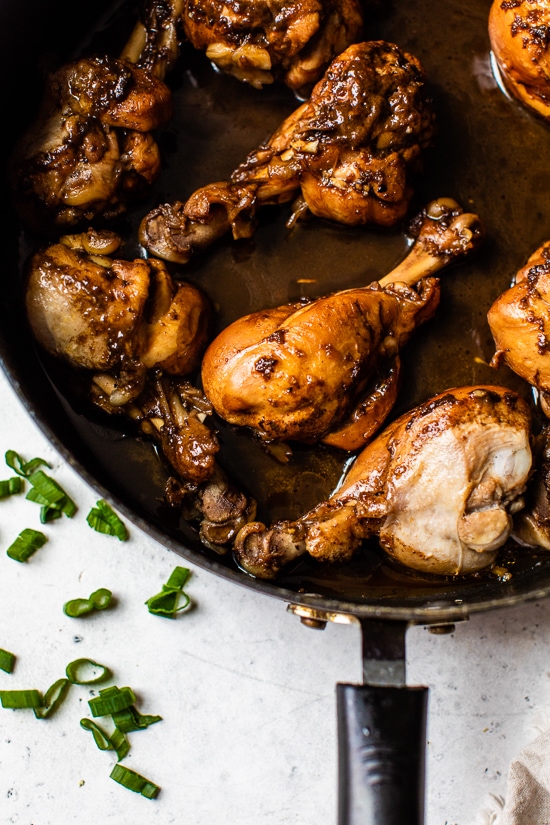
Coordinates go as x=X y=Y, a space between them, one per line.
x=139 y=334
x=438 y=487
x=352 y=151
x=270 y=40
x=329 y=369
x=519 y=39
x=519 y=320
x=92 y=148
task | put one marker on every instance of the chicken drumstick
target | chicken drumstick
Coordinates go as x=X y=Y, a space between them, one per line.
x=438 y=487
x=270 y=39
x=519 y=320
x=305 y=372
x=352 y=150
x=141 y=334
x=519 y=39
x=91 y=150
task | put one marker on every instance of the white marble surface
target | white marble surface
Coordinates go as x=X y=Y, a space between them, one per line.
x=246 y=692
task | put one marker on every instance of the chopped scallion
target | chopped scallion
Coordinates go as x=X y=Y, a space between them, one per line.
x=115 y=741
x=26 y=543
x=52 y=698
x=48 y=493
x=103 y=519
x=111 y=700
x=7 y=661
x=87 y=672
x=18 y=699
x=130 y=719
x=134 y=781
x=98 y=600
x=172 y=599
x=10 y=486
x=23 y=468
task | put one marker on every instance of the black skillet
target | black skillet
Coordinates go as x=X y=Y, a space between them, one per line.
x=492 y=156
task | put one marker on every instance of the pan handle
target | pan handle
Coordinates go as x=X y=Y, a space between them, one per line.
x=382 y=735
x=381 y=754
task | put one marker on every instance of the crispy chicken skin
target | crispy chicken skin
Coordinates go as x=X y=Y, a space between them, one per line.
x=519 y=31
x=306 y=372
x=267 y=40
x=438 y=487
x=352 y=151
x=91 y=150
x=519 y=320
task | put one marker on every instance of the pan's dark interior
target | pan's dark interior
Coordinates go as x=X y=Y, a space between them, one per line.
x=491 y=155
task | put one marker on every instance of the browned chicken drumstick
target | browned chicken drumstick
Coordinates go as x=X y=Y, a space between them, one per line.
x=92 y=148
x=141 y=334
x=518 y=32
x=329 y=369
x=291 y=40
x=520 y=324
x=352 y=151
x=438 y=487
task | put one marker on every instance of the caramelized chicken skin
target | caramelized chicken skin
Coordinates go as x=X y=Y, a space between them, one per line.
x=305 y=372
x=520 y=324
x=291 y=40
x=107 y=314
x=438 y=487
x=352 y=150
x=518 y=32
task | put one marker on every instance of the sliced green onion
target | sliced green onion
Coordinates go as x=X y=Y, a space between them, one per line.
x=21 y=699
x=77 y=672
x=111 y=700
x=50 y=495
x=171 y=599
x=27 y=542
x=10 y=486
x=130 y=719
x=98 y=600
x=134 y=781
x=103 y=519
x=23 y=468
x=115 y=741
x=7 y=661
x=52 y=698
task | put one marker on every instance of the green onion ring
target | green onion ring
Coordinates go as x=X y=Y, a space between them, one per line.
x=74 y=676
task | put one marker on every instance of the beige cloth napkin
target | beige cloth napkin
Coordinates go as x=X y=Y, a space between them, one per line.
x=527 y=799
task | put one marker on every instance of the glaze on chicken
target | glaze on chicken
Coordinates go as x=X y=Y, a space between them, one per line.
x=438 y=488
x=288 y=40
x=520 y=324
x=329 y=369
x=519 y=33
x=352 y=152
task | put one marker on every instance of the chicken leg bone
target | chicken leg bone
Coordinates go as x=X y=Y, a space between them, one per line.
x=305 y=372
x=438 y=487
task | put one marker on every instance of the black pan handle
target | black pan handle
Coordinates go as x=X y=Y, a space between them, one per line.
x=381 y=754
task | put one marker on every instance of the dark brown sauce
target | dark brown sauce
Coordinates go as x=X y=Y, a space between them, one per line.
x=490 y=154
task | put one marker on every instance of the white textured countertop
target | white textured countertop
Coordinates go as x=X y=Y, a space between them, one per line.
x=246 y=692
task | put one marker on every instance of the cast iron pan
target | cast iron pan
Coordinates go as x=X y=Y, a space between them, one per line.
x=491 y=156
